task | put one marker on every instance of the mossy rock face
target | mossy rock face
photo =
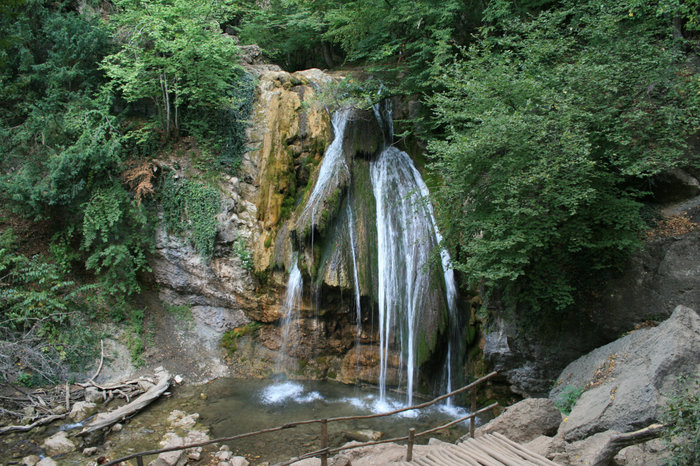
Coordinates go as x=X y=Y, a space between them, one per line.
x=287 y=135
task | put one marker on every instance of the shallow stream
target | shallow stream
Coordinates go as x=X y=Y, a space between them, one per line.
x=233 y=406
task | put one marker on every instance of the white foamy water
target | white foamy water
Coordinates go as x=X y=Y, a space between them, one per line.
x=288 y=391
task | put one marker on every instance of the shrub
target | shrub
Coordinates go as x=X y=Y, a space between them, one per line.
x=568 y=398
x=191 y=206
x=682 y=421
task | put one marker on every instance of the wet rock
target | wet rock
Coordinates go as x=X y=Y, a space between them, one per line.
x=47 y=462
x=365 y=435
x=362 y=365
x=183 y=420
x=30 y=460
x=625 y=381
x=525 y=420
x=93 y=395
x=82 y=410
x=178 y=379
x=90 y=451
x=117 y=427
x=224 y=455
x=238 y=461
x=171 y=458
x=58 y=444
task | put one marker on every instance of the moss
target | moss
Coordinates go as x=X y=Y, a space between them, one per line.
x=230 y=340
x=268 y=240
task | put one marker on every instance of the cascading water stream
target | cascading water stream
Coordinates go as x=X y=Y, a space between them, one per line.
x=356 y=278
x=450 y=286
x=290 y=321
x=333 y=166
x=406 y=233
x=403 y=232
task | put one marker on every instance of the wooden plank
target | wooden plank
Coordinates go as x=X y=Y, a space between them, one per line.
x=522 y=451
x=507 y=453
x=450 y=458
x=476 y=449
x=497 y=454
x=467 y=455
x=541 y=458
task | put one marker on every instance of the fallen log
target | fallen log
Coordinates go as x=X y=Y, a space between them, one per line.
x=28 y=427
x=619 y=441
x=103 y=420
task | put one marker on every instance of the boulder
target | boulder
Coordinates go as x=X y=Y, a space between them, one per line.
x=525 y=420
x=665 y=273
x=183 y=420
x=238 y=461
x=58 y=444
x=82 y=410
x=549 y=447
x=47 y=462
x=625 y=381
x=170 y=458
x=364 y=435
x=30 y=460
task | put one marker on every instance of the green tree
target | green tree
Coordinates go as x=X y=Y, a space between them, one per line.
x=173 y=53
x=552 y=125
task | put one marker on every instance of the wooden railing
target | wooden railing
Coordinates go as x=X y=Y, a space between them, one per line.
x=324 y=452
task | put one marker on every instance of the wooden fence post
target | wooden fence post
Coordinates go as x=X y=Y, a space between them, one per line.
x=409 y=447
x=324 y=442
x=139 y=460
x=472 y=421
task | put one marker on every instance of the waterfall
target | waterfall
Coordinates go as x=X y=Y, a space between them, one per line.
x=333 y=167
x=404 y=230
x=410 y=303
x=455 y=339
x=356 y=278
x=406 y=235
x=291 y=304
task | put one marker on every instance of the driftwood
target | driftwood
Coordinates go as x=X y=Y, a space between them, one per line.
x=37 y=423
x=619 y=441
x=103 y=420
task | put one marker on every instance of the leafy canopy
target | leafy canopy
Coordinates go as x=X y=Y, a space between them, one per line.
x=552 y=123
x=174 y=54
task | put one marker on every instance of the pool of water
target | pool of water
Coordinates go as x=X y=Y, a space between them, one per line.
x=238 y=406
x=235 y=406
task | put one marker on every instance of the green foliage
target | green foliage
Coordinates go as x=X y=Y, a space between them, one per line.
x=181 y=312
x=41 y=315
x=682 y=422
x=241 y=250
x=230 y=339
x=117 y=236
x=350 y=92
x=190 y=206
x=135 y=336
x=56 y=135
x=174 y=54
x=567 y=399
x=405 y=39
x=552 y=125
x=225 y=129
